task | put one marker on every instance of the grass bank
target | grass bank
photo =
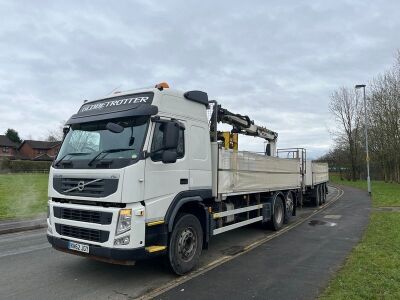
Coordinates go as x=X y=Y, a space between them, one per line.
x=22 y=195
x=372 y=269
x=384 y=194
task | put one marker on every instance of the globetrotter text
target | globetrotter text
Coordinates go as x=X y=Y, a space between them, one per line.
x=102 y=105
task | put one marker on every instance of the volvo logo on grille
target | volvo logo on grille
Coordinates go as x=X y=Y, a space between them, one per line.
x=81 y=186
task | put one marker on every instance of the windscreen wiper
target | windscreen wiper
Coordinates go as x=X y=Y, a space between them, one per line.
x=72 y=154
x=108 y=151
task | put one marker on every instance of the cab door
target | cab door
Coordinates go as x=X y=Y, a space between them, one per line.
x=163 y=181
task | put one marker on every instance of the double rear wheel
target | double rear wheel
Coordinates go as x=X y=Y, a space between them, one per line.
x=319 y=196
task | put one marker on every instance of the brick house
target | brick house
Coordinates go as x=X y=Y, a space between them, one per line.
x=8 y=149
x=39 y=150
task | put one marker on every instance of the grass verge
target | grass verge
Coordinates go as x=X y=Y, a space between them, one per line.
x=372 y=269
x=22 y=195
x=384 y=194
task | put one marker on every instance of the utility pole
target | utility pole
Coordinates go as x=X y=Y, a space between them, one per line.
x=358 y=86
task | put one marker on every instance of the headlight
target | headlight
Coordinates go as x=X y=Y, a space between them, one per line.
x=124 y=221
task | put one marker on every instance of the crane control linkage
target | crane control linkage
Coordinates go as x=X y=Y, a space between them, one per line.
x=244 y=125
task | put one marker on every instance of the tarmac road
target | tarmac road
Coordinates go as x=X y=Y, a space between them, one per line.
x=31 y=269
x=295 y=265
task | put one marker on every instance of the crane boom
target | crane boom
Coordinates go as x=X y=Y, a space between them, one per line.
x=242 y=124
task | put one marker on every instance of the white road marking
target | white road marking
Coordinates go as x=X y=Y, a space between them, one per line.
x=334 y=217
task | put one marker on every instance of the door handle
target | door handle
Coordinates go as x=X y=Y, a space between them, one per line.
x=184 y=181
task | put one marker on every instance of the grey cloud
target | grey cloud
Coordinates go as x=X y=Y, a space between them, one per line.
x=278 y=62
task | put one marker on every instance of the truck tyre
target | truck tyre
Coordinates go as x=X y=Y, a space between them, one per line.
x=324 y=193
x=289 y=198
x=185 y=244
x=321 y=194
x=316 y=197
x=278 y=215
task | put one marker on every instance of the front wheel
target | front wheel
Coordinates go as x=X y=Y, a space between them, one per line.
x=185 y=244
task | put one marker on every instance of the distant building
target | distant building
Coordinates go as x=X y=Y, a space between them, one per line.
x=8 y=149
x=39 y=150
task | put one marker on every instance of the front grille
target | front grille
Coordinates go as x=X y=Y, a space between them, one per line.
x=88 y=187
x=87 y=234
x=92 y=187
x=82 y=215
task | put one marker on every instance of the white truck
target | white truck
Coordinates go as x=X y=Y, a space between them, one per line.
x=144 y=173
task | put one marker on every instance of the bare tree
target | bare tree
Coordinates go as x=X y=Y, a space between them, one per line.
x=384 y=115
x=56 y=134
x=346 y=107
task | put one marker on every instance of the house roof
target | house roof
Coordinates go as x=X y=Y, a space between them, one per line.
x=40 y=144
x=5 y=141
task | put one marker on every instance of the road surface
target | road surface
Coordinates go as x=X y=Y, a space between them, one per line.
x=295 y=265
x=31 y=269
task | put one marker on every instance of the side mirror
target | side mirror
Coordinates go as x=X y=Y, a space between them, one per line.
x=171 y=135
x=169 y=156
x=114 y=127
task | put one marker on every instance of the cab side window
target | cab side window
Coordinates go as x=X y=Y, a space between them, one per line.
x=156 y=144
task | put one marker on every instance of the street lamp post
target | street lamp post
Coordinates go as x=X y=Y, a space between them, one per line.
x=358 y=86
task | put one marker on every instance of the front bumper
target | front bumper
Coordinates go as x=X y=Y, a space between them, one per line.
x=89 y=221
x=112 y=255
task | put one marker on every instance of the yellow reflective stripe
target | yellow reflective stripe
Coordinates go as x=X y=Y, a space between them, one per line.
x=155 y=223
x=151 y=249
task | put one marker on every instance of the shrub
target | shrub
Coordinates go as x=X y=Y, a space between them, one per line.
x=26 y=165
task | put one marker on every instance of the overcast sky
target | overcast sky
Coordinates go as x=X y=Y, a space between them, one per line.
x=277 y=61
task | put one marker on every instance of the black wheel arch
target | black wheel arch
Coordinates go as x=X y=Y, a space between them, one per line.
x=191 y=202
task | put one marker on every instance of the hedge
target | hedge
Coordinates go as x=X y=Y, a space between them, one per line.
x=25 y=165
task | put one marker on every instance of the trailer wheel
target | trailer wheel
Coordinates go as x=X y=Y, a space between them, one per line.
x=185 y=244
x=317 y=196
x=324 y=193
x=289 y=206
x=278 y=215
x=321 y=194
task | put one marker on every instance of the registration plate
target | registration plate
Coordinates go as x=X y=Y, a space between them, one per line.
x=78 y=247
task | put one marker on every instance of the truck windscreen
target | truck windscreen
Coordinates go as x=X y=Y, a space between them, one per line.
x=94 y=142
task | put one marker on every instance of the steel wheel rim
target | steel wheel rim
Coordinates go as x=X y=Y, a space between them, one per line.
x=187 y=244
